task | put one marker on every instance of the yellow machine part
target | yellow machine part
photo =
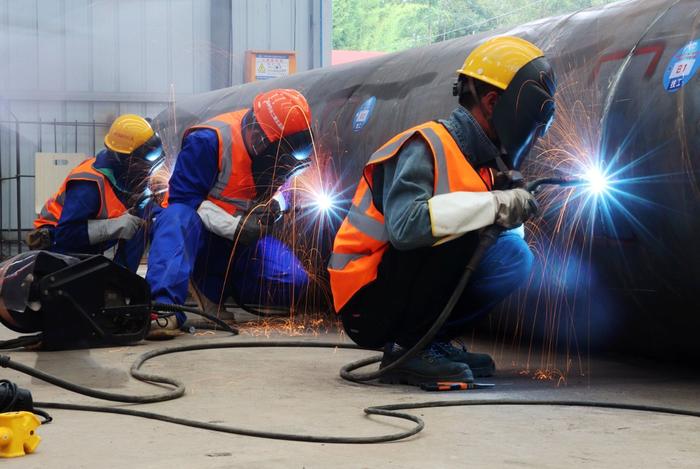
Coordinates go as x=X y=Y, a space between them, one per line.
x=18 y=434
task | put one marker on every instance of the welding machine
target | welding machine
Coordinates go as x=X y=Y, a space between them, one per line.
x=72 y=301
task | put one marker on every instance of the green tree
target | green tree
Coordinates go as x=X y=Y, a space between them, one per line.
x=390 y=25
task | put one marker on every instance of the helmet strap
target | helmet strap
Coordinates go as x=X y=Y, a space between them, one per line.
x=502 y=166
x=477 y=99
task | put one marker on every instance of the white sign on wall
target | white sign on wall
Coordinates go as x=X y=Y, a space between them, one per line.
x=269 y=66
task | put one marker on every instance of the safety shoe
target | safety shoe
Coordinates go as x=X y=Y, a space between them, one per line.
x=163 y=329
x=481 y=364
x=210 y=308
x=429 y=366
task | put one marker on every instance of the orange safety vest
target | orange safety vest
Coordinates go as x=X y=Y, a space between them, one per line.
x=363 y=239
x=234 y=189
x=110 y=205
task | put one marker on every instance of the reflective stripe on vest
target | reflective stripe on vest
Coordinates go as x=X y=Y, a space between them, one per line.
x=363 y=238
x=235 y=173
x=110 y=205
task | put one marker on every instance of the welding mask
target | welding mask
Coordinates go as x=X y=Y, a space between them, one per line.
x=73 y=302
x=275 y=162
x=525 y=110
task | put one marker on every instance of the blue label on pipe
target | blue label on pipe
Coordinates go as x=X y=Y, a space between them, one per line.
x=363 y=114
x=682 y=67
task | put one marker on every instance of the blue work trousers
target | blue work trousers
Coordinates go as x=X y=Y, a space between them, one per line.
x=267 y=273
x=412 y=288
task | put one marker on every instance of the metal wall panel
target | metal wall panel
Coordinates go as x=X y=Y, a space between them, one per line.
x=301 y=25
x=86 y=60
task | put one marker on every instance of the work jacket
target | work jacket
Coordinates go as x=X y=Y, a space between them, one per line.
x=363 y=237
x=110 y=205
x=234 y=189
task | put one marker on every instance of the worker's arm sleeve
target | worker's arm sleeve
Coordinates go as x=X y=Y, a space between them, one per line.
x=456 y=213
x=82 y=203
x=196 y=169
x=414 y=217
x=408 y=185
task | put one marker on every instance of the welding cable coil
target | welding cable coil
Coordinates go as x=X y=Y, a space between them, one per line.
x=391 y=410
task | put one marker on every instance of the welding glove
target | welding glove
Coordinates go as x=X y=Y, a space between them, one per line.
x=258 y=221
x=456 y=213
x=246 y=228
x=514 y=207
x=122 y=227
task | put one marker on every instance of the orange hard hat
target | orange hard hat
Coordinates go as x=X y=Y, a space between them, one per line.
x=281 y=112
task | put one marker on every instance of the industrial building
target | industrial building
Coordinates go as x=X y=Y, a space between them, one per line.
x=479 y=252
x=70 y=67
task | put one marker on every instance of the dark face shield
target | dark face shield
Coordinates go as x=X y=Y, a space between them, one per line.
x=525 y=110
x=273 y=163
x=150 y=154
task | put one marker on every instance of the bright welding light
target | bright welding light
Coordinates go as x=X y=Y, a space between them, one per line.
x=597 y=181
x=324 y=201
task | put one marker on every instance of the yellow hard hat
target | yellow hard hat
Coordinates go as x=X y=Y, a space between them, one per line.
x=497 y=60
x=127 y=133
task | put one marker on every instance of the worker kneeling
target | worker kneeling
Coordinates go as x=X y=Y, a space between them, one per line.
x=415 y=218
x=102 y=201
x=216 y=227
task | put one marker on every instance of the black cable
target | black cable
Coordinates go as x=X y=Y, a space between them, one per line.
x=8 y=395
x=391 y=410
x=488 y=237
x=44 y=414
x=171 y=308
x=178 y=391
x=251 y=310
x=21 y=342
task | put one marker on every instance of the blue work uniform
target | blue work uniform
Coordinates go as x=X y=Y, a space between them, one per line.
x=267 y=273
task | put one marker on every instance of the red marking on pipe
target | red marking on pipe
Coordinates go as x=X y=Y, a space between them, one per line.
x=656 y=48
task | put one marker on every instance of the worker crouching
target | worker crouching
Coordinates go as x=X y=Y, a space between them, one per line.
x=215 y=230
x=415 y=217
x=101 y=203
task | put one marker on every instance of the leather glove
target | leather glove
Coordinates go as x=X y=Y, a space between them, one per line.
x=514 y=207
x=257 y=222
x=246 y=228
x=122 y=227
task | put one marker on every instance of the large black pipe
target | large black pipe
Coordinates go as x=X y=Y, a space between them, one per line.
x=639 y=278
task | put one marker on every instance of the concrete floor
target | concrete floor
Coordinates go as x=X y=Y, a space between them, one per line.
x=297 y=390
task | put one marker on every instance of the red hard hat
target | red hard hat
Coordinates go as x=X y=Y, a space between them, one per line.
x=281 y=112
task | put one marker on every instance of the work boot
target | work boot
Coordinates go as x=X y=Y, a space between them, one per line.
x=210 y=308
x=429 y=366
x=164 y=329
x=481 y=364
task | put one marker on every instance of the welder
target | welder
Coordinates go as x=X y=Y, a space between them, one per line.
x=415 y=217
x=223 y=202
x=100 y=204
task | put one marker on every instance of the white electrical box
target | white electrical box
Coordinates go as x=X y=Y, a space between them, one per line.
x=50 y=170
